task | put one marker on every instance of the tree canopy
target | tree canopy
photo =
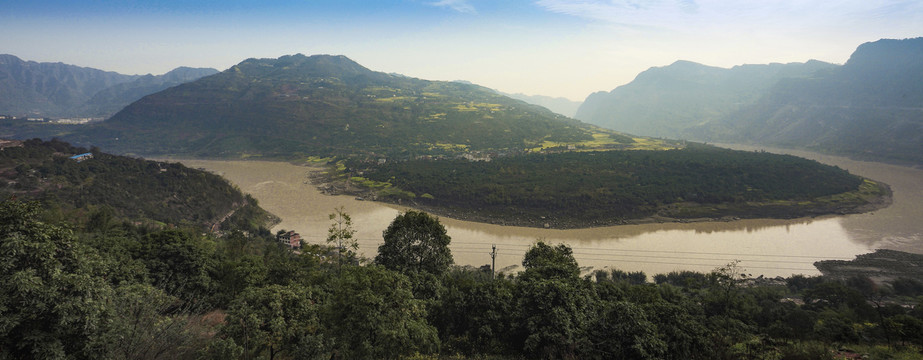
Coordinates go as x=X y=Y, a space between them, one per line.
x=415 y=242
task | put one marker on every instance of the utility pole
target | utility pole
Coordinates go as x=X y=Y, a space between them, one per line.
x=493 y=262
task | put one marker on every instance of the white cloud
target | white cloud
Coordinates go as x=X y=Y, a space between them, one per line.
x=462 y=6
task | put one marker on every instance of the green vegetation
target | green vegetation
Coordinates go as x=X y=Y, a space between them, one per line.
x=596 y=188
x=116 y=187
x=415 y=242
x=131 y=292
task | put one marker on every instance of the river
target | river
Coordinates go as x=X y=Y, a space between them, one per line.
x=763 y=247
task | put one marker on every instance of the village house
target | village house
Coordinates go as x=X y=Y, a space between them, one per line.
x=290 y=239
x=82 y=157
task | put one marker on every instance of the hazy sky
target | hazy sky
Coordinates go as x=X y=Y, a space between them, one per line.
x=567 y=48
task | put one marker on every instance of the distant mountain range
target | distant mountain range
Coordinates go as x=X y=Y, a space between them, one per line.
x=57 y=90
x=327 y=105
x=870 y=108
x=667 y=101
x=559 y=105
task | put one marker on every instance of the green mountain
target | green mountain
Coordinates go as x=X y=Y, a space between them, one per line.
x=297 y=106
x=132 y=189
x=870 y=108
x=666 y=101
x=112 y=99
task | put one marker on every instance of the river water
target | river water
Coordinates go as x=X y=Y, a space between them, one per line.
x=763 y=247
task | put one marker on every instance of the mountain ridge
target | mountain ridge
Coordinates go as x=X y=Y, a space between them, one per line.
x=57 y=90
x=869 y=108
x=664 y=101
x=325 y=105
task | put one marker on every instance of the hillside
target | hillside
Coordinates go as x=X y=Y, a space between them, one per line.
x=297 y=106
x=131 y=189
x=112 y=99
x=666 y=101
x=869 y=108
x=56 y=90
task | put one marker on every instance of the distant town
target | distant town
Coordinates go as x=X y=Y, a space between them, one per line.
x=65 y=121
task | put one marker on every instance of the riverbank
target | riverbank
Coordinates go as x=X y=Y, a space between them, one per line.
x=765 y=246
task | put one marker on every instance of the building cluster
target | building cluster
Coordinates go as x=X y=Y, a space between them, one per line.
x=63 y=121
x=9 y=143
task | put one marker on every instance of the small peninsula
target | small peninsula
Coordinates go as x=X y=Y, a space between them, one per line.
x=582 y=189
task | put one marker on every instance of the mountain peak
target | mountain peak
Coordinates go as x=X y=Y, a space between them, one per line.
x=9 y=59
x=887 y=54
x=310 y=66
x=184 y=74
x=328 y=105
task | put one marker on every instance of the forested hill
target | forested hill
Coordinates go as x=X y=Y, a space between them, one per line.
x=120 y=187
x=326 y=105
x=583 y=189
x=870 y=108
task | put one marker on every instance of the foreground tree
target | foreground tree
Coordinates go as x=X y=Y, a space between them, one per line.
x=553 y=303
x=341 y=234
x=371 y=314
x=179 y=262
x=622 y=330
x=276 y=320
x=150 y=324
x=53 y=298
x=415 y=242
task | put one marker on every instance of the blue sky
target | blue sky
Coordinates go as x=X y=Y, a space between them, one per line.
x=567 y=48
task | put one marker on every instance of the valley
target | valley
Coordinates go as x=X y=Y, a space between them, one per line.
x=461 y=179
x=771 y=247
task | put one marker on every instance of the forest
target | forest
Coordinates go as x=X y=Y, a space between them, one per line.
x=150 y=192
x=607 y=187
x=78 y=290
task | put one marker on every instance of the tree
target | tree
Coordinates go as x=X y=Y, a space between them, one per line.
x=474 y=313
x=371 y=314
x=276 y=320
x=341 y=234
x=553 y=303
x=415 y=241
x=179 y=262
x=546 y=261
x=54 y=301
x=150 y=324
x=622 y=331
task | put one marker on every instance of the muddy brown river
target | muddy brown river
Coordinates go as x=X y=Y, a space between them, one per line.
x=764 y=247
